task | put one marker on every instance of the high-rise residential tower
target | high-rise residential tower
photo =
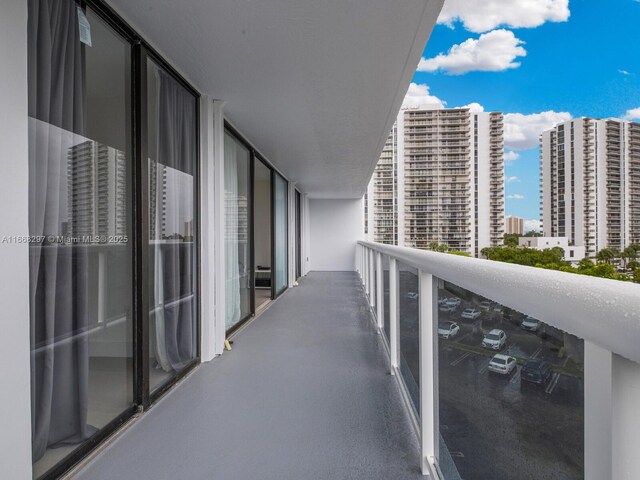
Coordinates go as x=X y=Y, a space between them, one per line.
x=514 y=225
x=440 y=179
x=590 y=183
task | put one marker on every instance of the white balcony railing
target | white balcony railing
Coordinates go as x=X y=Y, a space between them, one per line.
x=604 y=313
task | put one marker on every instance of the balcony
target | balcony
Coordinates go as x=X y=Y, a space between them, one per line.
x=317 y=401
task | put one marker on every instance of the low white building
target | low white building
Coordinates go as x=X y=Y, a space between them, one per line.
x=572 y=253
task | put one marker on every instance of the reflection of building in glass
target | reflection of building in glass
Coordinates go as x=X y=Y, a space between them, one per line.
x=440 y=178
x=97 y=190
x=157 y=198
x=590 y=182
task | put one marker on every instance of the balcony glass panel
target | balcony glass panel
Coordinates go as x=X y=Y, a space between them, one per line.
x=409 y=332
x=510 y=392
x=385 y=295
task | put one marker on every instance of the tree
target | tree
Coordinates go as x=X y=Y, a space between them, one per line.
x=628 y=254
x=633 y=265
x=511 y=239
x=607 y=255
x=438 y=247
x=533 y=233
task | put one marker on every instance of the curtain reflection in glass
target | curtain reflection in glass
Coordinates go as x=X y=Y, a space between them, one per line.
x=172 y=229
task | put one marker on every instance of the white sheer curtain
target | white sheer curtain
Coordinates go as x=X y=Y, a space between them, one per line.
x=232 y=269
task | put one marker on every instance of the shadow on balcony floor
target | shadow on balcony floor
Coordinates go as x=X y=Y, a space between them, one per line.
x=304 y=394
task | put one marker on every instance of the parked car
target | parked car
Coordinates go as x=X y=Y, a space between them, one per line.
x=412 y=295
x=495 y=339
x=536 y=371
x=502 y=364
x=445 y=307
x=447 y=330
x=453 y=301
x=497 y=308
x=442 y=300
x=485 y=305
x=471 y=313
x=530 y=324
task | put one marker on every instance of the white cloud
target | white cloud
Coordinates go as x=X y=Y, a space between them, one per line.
x=418 y=95
x=512 y=179
x=474 y=107
x=510 y=157
x=533 y=224
x=491 y=52
x=481 y=16
x=515 y=196
x=521 y=131
x=625 y=72
x=632 y=114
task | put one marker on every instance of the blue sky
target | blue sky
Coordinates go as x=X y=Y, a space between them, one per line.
x=566 y=58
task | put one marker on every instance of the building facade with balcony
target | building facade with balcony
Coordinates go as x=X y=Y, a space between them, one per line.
x=590 y=183
x=440 y=179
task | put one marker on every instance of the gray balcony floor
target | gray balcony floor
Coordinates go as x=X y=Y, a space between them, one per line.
x=304 y=394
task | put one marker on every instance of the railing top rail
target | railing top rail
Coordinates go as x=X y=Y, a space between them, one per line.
x=602 y=311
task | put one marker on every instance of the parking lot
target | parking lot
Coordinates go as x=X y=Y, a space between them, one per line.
x=495 y=426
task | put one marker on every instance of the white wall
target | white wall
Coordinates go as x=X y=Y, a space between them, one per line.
x=335 y=227
x=15 y=403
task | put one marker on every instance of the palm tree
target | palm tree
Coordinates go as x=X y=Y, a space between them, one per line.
x=628 y=254
x=606 y=255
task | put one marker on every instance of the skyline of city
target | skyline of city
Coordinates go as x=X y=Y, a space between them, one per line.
x=532 y=63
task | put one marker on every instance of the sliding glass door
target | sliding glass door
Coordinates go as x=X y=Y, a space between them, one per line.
x=80 y=212
x=237 y=189
x=173 y=254
x=113 y=162
x=280 y=213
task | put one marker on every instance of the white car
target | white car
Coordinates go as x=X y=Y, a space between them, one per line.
x=453 y=301
x=495 y=339
x=530 y=324
x=502 y=364
x=447 y=308
x=442 y=300
x=471 y=313
x=485 y=305
x=412 y=295
x=447 y=330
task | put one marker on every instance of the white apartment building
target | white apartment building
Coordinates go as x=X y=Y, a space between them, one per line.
x=571 y=253
x=440 y=178
x=590 y=183
x=514 y=225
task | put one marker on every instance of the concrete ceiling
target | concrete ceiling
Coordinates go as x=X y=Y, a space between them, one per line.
x=314 y=85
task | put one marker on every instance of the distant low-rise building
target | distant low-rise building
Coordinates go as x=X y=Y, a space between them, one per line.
x=572 y=253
